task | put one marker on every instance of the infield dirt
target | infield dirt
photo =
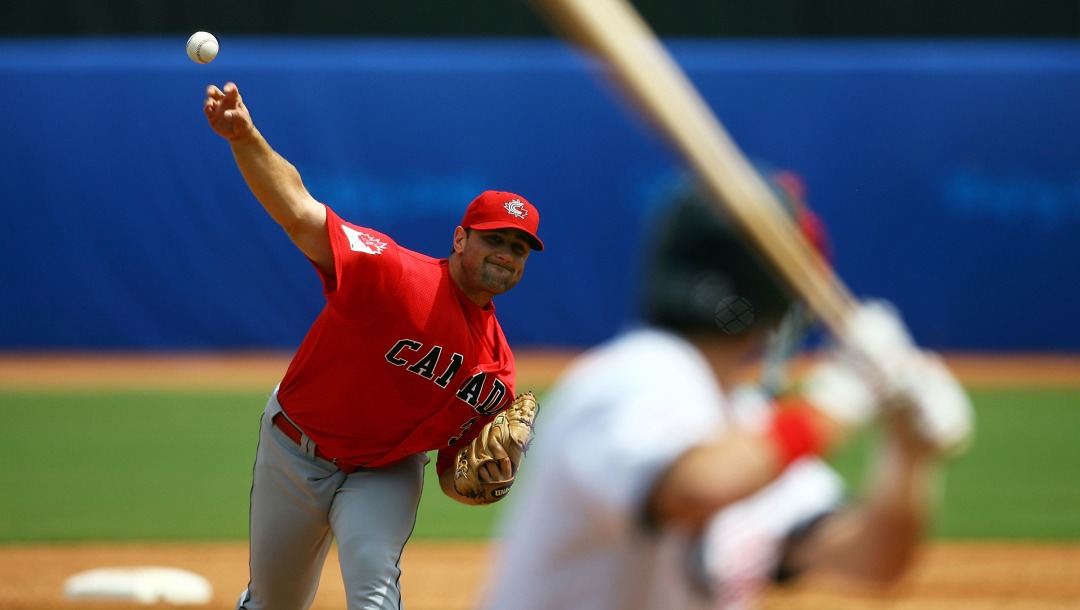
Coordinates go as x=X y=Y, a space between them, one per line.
x=448 y=576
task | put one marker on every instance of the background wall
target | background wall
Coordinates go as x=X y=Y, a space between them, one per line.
x=947 y=171
x=798 y=18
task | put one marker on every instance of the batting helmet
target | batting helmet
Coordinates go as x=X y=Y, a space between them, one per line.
x=701 y=275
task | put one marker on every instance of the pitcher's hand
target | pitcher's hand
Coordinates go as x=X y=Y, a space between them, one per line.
x=226 y=112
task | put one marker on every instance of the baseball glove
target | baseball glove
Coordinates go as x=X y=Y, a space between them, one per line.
x=512 y=430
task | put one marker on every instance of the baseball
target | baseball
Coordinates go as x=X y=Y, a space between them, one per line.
x=202 y=47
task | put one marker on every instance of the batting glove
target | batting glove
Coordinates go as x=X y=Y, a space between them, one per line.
x=937 y=404
x=906 y=378
x=852 y=382
x=839 y=389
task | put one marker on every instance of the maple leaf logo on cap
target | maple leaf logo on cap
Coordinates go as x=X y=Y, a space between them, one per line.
x=516 y=208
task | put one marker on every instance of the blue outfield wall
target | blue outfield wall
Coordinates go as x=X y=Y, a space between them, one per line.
x=948 y=173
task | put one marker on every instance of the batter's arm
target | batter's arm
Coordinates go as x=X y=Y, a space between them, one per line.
x=874 y=540
x=272 y=179
x=710 y=477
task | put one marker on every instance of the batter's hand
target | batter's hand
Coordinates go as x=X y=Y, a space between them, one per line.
x=910 y=380
x=939 y=409
x=226 y=112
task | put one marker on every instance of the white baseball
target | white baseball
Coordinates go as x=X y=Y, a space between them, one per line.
x=202 y=47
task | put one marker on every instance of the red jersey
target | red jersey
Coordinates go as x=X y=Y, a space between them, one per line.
x=399 y=361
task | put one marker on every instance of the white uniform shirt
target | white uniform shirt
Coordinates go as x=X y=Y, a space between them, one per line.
x=573 y=535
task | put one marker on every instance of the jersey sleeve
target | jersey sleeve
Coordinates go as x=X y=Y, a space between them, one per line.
x=447 y=456
x=367 y=264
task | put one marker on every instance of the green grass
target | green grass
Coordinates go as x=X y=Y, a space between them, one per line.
x=1021 y=478
x=149 y=466
x=126 y=465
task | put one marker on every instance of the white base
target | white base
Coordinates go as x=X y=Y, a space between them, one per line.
x=144 y=585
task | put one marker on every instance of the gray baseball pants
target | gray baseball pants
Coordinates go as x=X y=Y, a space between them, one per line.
x=301 y=503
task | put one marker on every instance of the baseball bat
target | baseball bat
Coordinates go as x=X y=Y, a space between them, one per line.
x=614 y=32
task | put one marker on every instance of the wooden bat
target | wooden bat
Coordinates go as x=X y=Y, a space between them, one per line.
x=615 y=33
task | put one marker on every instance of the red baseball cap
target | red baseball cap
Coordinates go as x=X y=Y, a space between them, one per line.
x=503 y=210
